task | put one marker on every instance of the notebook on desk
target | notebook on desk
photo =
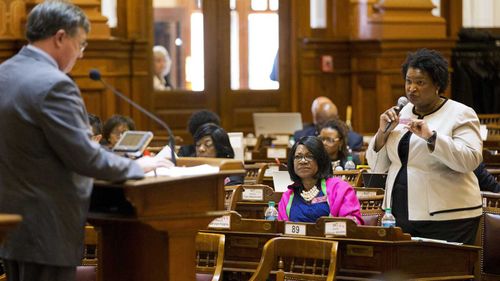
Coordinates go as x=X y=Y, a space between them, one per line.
x=374 y=179
x=276 y=123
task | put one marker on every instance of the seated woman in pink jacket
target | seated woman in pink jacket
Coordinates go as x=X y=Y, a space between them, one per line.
x=315 y=193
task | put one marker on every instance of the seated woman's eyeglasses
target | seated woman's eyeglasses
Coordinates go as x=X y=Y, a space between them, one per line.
x=307 y=158
x=329 y=140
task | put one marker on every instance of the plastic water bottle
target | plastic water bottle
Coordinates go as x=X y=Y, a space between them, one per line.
x=388 y=220
x=271 y=213
x=349 y=164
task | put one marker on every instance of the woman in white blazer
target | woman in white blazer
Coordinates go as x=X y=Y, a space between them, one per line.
x=430 y=151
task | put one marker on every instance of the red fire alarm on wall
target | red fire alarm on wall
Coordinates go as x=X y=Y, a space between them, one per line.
x=327 y=63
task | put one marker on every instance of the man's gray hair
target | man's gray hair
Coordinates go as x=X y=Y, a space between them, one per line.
x=50 y=16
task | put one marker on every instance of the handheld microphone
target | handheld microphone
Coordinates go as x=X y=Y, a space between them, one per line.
x=95 y=75
x=402 y=101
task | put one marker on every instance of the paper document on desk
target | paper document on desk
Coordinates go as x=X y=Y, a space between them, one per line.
x=165 y=153
x=435 y=240
x=184 y=171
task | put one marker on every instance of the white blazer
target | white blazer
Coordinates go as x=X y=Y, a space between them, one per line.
x=441 y=183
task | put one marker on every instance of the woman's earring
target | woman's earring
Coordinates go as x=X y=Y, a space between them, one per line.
x=437 y=92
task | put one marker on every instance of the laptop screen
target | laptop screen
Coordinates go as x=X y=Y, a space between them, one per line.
x=374 y=179
x=277 y=123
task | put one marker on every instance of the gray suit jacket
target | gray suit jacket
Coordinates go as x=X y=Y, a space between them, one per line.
x=47 y=161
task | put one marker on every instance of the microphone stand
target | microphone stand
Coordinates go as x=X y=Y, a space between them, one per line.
x=171 y=141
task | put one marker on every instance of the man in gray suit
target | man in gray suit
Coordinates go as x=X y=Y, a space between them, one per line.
x=47 y=159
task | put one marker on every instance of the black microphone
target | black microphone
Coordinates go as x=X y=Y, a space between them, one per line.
x=95 y=75
x=402 y=101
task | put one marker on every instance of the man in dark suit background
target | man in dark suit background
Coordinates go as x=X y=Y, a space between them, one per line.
x=323 y=110
x=47 y=159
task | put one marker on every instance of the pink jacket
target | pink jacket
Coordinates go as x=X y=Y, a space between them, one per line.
x=341 y=199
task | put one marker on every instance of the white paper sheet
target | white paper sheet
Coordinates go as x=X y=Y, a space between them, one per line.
x=184 y=171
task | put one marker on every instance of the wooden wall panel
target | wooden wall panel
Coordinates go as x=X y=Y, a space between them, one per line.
x=365 y=73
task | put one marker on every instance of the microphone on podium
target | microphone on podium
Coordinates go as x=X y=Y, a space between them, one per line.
x=402 y=101
x=95 y=75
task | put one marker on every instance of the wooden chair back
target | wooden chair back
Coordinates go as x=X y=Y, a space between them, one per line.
x=372 y=217
x=491 y=159
x=370 y=199
x=489 y=119
x=88 y=270
x=488 y=237
x=353 y=177
x=251 y=201
x=255 y=173
x=209 y=256
x=493 y=132
x=298 y=259
x=371 y=202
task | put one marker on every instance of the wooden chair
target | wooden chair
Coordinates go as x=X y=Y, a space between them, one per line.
x=493 y=132
x=371 y=202
x=487 y=237
x=87 y=271
x=491 y=159
x=298 y=259
x=255 y=173
x=370 y=199
x=353 y=177
x=489 y=119
x=209 y=256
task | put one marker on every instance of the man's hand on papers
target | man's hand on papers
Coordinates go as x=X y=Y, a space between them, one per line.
x=150 y=163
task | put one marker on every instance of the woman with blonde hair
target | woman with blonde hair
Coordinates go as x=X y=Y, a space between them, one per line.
x=162 y=66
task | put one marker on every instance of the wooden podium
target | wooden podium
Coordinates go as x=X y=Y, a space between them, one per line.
x=148 y=226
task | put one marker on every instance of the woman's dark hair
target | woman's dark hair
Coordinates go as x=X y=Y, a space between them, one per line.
x=202 y=117
x=342 y=129
x=315 y=146
x=113 y=122
x=95 y=123
x=48 y=17
x=220 y=139
x=431 y=62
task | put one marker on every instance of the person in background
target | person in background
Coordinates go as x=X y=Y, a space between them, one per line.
x=47 y=159
x=430 y=151
x=333 y=134
x=314 y=192
x=162 y=65
x=213 y=142
x=113 y=129
x=96 y=127
x=196 y=120
x=323 y=109
x=487 y=181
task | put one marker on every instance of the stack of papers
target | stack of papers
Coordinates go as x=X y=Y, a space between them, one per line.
x=184 y=171
x=435 y=240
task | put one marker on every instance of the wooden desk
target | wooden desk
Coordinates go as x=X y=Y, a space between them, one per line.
x=362 y=257
x=148 y=226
